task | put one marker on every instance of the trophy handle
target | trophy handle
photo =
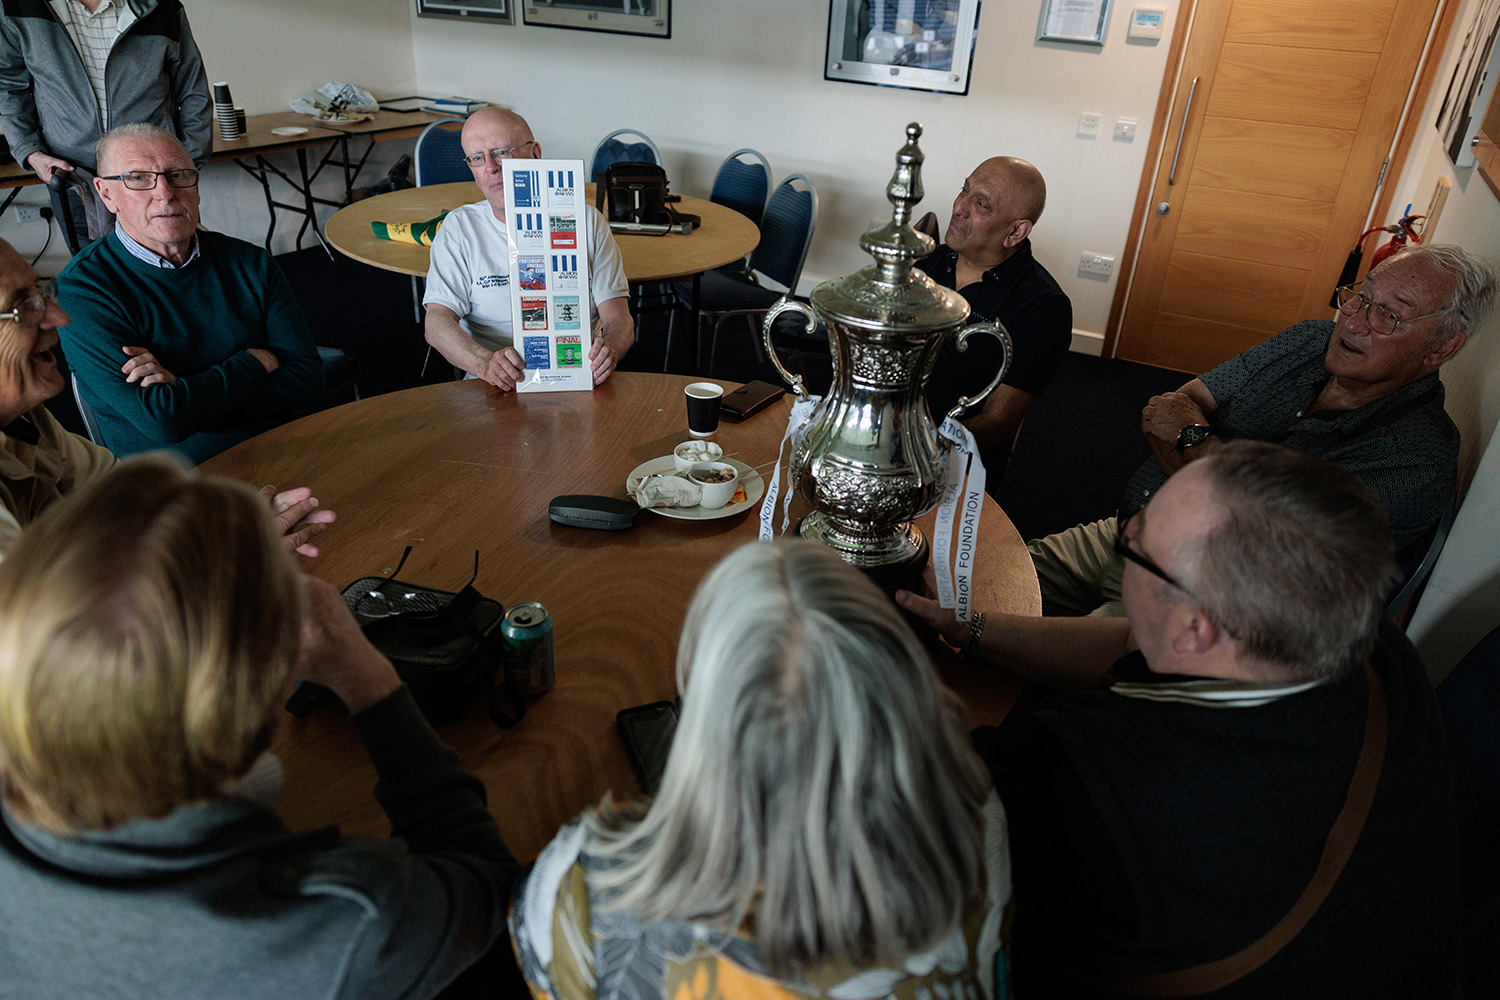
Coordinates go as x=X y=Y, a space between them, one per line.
x=787 y=304
x=995 y=329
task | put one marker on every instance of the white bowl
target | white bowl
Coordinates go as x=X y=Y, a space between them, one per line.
x=715 y=495
x=690 y=453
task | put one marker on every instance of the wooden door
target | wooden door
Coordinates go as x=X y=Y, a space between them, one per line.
x=1294 y=105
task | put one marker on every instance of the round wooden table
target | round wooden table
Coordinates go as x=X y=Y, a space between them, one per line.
x=724 y=237
x=461 y=466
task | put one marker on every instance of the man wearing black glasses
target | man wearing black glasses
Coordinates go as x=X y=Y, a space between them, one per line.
x=468 y=318
x=1238 y=787
x=1362 y=391
x=180 y=338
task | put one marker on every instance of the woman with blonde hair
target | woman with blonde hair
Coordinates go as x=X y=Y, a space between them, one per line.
x=822 y=829
x=150 y=625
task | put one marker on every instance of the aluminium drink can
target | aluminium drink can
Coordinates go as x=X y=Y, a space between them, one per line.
x=527 y=634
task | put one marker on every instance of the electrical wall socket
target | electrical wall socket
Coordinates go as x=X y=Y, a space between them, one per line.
x=27 y=213
x=1096 y=263
x=1125 y=129
x=1088 y=124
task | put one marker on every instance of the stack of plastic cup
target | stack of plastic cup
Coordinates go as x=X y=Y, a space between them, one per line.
x=231 y=119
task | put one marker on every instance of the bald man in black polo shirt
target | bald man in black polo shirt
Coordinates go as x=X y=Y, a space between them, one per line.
x=987 y=259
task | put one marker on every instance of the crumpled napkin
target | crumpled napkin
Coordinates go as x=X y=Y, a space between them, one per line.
x=668 y=491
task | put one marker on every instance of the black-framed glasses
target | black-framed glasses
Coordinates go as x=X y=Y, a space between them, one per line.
x=477 y=160
x=30 y=310
x=145 y=180
x=1122 y=546
x=1382 y=320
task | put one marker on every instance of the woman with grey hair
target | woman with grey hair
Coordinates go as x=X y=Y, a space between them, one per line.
x=822 y=829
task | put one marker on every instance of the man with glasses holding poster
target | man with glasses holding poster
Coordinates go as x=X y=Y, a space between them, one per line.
x=469 y=319
x=1362 y=391
x=180 y=338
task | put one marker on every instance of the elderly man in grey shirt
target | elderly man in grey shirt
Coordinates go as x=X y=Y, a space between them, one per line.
x=1362 y=391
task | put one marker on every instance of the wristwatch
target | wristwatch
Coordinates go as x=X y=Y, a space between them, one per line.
x=1191 y=435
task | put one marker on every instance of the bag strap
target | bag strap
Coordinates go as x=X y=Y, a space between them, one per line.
x=1342 y=838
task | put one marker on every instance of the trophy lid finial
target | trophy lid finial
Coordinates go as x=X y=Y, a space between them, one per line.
x=896 y=245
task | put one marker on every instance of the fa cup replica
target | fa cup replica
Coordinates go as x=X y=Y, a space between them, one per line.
x=869 y=458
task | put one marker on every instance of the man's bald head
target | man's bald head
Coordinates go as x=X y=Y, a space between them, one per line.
x=495 y=134
x=491 y=120
x=1021 y=184
x=1000 y=202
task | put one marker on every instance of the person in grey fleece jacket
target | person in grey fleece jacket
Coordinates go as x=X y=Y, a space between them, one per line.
x=48 y=108
x=149 y=626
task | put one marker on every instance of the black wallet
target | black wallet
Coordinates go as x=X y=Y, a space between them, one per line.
x=750 y=398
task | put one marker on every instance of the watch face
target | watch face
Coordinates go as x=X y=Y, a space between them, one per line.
x=1193 y=434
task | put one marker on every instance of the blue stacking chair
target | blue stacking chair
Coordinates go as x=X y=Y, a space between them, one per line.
x=439 y=154
x=612 y=149
x=743 y=184
x=786 y=231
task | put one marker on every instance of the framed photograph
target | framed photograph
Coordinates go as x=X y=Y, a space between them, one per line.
x=623 y=17
x=491 y=11
x=1080 y=21
x=898 y=43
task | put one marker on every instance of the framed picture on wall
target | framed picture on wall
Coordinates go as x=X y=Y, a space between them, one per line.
x=1080 y=21
x=899 y=43
x=492 y=11
x=623 y=17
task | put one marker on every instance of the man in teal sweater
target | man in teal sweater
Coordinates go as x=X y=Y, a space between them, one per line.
x=180 y=338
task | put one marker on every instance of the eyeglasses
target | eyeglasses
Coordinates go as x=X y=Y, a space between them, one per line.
x=30 y=310
x=1122 y=546
x=1381 y=319
x=145 y=180
x=477 y=160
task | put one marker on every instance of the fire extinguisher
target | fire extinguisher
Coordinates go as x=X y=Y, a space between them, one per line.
x=1404 y=229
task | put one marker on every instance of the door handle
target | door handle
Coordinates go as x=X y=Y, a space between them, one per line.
x=1181 y=131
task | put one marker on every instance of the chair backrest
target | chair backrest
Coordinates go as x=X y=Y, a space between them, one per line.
x=90 y=422
x=786 y=231
x=59 y=184
x=613 y=150
x=1430 y=552
x=440 y=154
x=743 y=184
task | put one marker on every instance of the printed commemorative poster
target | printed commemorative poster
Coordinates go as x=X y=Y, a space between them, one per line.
x=547 y=218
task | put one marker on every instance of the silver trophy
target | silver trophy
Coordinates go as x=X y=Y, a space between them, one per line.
x=869 y=459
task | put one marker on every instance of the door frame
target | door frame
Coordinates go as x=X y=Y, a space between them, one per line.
x=1434 y=46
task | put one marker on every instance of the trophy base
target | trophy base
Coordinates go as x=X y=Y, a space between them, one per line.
x=891 y=557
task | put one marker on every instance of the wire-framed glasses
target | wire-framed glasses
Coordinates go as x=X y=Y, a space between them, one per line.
x=477 y=160
x=1381 y=319
x=145 y=180
x=30 y=310
x=1122 y=546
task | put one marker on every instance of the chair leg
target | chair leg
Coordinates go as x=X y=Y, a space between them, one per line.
x=666 y=359
x=760 y=355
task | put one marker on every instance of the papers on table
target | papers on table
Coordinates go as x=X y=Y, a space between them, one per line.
x=546 y=215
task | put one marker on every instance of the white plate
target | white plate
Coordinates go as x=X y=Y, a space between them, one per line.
x=755 y=488
x=288 y=130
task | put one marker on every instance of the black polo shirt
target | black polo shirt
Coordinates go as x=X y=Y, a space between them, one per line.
x=1027 y=301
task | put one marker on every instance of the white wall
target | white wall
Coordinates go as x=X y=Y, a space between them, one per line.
x=749 y=73
x=270 y=51
x=1462 y=602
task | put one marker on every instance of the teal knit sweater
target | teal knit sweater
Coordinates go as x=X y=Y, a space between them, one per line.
x=199 y=321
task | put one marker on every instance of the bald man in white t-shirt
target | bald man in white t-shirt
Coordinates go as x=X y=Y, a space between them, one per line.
x=468 y=304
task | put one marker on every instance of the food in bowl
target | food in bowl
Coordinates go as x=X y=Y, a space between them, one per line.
x=690 y=453
x=719 y=481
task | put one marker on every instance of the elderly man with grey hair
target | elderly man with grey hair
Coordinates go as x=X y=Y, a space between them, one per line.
x=1242 y=789
x=180 y=338
x=1362 y=391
